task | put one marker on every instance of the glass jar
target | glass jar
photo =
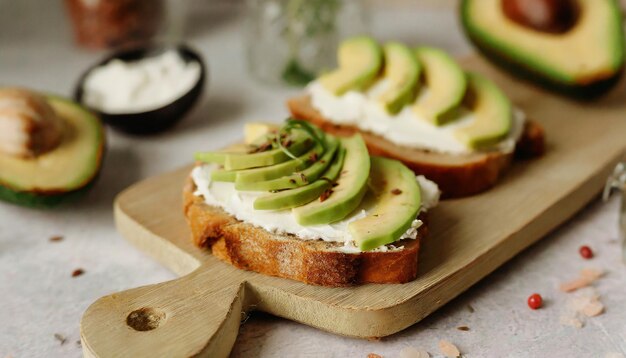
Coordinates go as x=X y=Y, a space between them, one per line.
x=291 y=41
x=114 y=23
x=617 y=182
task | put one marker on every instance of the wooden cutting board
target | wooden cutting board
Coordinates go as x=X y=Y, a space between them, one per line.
x=199 y=313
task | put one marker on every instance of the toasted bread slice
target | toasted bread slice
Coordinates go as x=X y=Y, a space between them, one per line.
x=456 y=175
x=311 y=261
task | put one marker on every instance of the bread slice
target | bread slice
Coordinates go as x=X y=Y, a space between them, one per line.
x=456 y=175
x=311 y=261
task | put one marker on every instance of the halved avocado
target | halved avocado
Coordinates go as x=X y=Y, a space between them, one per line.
x=583 y=60
x=445 y=83
x=492 y=110
x=62 y=173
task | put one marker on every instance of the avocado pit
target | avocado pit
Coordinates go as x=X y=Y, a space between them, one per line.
x=549 y=16
x=29 y=126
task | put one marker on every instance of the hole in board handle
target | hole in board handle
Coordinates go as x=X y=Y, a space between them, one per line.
x=145 y=319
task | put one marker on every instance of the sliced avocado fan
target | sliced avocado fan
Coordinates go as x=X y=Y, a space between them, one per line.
x=288 y=199
x=296 y=173
x=299 y=142
x=347 y=194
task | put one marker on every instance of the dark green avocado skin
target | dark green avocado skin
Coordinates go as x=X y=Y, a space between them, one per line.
x=584 y=92
x=41 y=201
x=51 y=200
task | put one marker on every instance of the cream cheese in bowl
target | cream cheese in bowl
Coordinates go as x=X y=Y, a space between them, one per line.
x=143 y=90
x=140 y=86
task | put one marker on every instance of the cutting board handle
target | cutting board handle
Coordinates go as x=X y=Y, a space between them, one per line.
x=195 y=315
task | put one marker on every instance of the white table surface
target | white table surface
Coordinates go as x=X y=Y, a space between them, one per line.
x=38 y=296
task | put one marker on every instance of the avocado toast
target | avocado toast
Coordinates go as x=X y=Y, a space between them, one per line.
x=457 y=128
x=326 y=214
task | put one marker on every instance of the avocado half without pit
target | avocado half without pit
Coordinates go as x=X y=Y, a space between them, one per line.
x=51 y=148
x=153 y=120
x=575 y=47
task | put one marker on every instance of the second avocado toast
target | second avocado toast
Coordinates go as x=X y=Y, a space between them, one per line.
x=418 y=106
x=297 y=203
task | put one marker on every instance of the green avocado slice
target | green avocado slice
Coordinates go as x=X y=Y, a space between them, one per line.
x=224 y=175
x=403 y=72
x=584 y=60
x=347 y=194
x=63 y=173
x=254 y=179
x=292 y=198
x=300 y=142
x=397 y=201
x=445 y=84
x=306 y=170
x=360 y=60
x=492 y=110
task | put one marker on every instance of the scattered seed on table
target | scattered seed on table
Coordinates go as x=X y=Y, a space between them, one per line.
x=535 y=301
x=586 y=252
x=59 y=337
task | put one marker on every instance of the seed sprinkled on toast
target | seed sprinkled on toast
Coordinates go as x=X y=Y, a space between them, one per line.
x=325 y=194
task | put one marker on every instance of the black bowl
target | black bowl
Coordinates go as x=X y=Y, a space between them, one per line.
x=155 y=120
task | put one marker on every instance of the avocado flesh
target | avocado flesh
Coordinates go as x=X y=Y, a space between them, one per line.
x=360 y=59
x=347 y=194
x=305 y=173
x=492 y=111
x=256 y=133
x=237 y=160
x=445 y=83
x=584 y=61
x=397 y=201
x=224 y=175
x=62 y=173
x=251 y=179
x=402 y=71
x=292 y=198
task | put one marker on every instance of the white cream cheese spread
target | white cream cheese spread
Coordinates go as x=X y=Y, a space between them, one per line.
x=140 y=86
x=361 y=109
x=240 y=205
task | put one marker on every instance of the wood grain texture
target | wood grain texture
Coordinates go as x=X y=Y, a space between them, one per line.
x=469 y=238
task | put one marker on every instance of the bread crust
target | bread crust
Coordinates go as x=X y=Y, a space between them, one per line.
x=314 y=262
x=456 y=175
